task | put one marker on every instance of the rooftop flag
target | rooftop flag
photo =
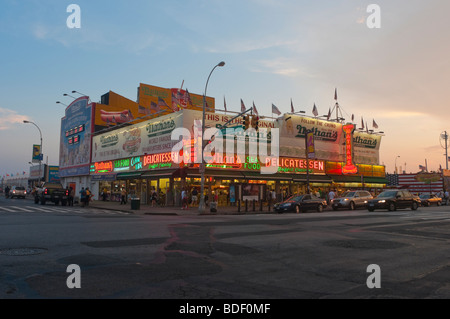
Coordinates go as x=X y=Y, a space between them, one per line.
x=374 y=124
x=275 y=110
x=255 y=110
x=315 y=112
x=242 y=106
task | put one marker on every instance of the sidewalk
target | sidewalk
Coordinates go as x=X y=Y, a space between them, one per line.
x=171 y=210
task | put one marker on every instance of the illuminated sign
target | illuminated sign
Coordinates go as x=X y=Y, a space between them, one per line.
x=102 y=167
x=157 y=159
x=349 y=167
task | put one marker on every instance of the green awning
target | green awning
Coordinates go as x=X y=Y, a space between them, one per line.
x=129 y=175
x=158 y=173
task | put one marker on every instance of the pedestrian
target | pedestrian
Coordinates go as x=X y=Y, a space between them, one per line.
x=83 y=197
x=446 y=195
x=331 y=196
x=71 y=195
x=7 y=189
x=154 y=197
x=194 y=197
x=88 y=196
x=184 y=199
x=123 y=196
x=104 y=194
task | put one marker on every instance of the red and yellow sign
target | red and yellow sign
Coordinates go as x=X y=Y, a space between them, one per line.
x=349 y=167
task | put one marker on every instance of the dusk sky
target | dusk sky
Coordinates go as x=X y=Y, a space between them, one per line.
x=275 y=51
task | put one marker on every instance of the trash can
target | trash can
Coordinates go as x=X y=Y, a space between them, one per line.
x=135 y=203
x=213 y=207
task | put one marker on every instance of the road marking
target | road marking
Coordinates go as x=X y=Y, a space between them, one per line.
x=21 y=209
x=38 y=209
x=8 y=210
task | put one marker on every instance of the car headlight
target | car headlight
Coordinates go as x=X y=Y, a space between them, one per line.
x=346 y=200
x=382 y=201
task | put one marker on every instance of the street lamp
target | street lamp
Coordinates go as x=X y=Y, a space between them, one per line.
x=79 y=93
x=201 y=205
x=40 y=151
x=58 y=102
x=396 y=163
x=65 y=94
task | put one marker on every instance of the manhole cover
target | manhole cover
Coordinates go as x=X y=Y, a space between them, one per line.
x=22 y=251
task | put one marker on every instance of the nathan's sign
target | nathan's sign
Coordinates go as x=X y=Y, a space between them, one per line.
x=160 y=128
x=109 y=140
x=427 y=178
x=365 y=140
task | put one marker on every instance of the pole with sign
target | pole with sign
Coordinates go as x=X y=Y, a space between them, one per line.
x=310 y=153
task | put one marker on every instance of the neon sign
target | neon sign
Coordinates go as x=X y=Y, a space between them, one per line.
x=349 y=168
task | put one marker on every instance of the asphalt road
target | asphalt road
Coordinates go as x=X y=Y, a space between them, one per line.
x=268 y=256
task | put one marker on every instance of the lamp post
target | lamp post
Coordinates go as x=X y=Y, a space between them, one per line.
x=396 y=164
x=40 y=151
x=201 y=205
x=79 y=93
x=73 y=97
x=58 y=102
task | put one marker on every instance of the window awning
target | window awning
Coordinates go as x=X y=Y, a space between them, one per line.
x=312 y=178
x=216 y=173
x=268 y=177
x=158 y=173
x=129 y=175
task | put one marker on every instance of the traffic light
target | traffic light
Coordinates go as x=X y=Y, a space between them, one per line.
x=255 y=122
x=246 y=122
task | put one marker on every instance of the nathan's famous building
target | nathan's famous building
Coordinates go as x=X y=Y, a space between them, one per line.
x=120 y=144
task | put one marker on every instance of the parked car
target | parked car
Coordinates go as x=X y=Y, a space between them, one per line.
x=18 y=192
x=351 y=200
x=393 y=200
x=301 y=203
x=430 y=199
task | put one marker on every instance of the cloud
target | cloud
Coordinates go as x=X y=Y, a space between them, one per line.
x=9 y=117
x=282 y=66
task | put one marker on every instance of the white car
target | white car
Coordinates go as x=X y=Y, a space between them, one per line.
x=18 y=192
x=351 y=200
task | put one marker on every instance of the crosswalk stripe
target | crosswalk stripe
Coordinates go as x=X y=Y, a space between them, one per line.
x=21 y=209
x=38 y=209
x=8 y=210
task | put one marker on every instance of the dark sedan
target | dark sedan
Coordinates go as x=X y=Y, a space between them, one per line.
x=301 y=204
x=393 y=200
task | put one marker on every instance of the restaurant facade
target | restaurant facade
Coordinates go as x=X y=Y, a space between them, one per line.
x=155 y=144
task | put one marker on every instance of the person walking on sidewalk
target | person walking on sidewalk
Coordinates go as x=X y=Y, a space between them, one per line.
x=184 y=199
x=82 y=197
x=71 y=196
x=123 y=195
